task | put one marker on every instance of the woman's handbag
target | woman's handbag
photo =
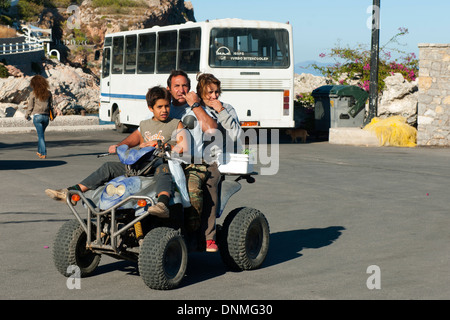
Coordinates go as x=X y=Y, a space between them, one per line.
x=51 y=111
x=51 y=114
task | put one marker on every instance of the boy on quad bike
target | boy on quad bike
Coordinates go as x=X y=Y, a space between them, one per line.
x=159 y=127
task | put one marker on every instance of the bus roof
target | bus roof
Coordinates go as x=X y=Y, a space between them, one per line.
x=228 y=22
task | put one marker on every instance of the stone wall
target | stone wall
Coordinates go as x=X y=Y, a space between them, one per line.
x=23 y=60
x=433 y=121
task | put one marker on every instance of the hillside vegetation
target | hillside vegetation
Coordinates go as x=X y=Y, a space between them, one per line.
x=82 y=44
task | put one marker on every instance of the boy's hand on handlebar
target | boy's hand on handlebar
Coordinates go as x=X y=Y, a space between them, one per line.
x=113 y=148
x=152 y=143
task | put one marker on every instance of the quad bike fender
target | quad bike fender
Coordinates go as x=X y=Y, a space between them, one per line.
x=227 y=190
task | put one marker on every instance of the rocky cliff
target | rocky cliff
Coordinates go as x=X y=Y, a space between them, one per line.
x=75 y=80
x=73 y=90
x=78 y=31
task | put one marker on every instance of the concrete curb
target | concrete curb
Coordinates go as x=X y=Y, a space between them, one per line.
x=60 y=124
x=14 y=130
x=353 y=136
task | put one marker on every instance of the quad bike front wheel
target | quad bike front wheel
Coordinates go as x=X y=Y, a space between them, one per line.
x=244 y=239
x=70 y=250
x=163 y=259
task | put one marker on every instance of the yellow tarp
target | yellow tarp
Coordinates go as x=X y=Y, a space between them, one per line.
x=393 y=131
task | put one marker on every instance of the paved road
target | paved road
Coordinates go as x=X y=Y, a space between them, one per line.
x=334 y=211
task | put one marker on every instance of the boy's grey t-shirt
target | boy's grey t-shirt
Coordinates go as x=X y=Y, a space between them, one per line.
x=157 y=130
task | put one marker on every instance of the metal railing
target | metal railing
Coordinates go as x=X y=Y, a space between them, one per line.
x=11 y=48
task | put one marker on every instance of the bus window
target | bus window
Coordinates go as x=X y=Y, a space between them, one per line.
x=106 y=62
x=130 y=53
x=108 y=42
x=146 y=54
x=167 y=52
x=249 y=48
x=189 y=50
x=117 y=55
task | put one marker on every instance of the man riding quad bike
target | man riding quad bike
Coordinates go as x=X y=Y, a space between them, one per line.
x=118 y=224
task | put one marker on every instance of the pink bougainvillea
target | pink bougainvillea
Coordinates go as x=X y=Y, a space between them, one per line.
x=355 y=64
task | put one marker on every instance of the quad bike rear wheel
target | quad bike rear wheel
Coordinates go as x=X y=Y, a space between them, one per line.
x=69 y=250
x=244 y=239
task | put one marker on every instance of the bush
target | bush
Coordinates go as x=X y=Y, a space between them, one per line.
x=29 y=10
x=117 y=3
x=3 y=71
x=305 y=99
x=356 y=64
x=6 y=21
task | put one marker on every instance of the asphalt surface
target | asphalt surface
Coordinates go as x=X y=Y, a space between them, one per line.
x=346 y=223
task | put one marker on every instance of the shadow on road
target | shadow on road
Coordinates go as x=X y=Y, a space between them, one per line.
x=29 y=164
x=286 y=245
x=201 y=267
x=51 y=143
x=128 y=267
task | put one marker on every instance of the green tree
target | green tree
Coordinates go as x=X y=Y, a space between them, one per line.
x=354 y=64
x=5 y=4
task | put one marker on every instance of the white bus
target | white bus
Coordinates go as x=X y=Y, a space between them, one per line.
x=252 y=59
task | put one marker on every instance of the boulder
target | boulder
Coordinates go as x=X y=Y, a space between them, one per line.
x=8 y=109
x=306 y=83
x=14 y=90
x=73 y=90
x=400 y=97
x=13 y=71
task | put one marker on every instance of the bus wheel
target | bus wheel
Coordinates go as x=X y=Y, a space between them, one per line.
x=120 y=127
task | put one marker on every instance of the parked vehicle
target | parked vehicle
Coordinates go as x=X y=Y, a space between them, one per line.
x=117 y=224
x=254 y=61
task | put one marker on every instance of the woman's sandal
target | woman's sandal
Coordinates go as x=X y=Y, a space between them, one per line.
x=41 y=156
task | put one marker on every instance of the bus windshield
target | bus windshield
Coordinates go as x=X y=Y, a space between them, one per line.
x=249 y=48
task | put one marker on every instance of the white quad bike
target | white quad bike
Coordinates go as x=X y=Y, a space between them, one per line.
x=117 y=224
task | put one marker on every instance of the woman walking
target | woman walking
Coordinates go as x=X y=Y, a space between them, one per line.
x=40 y=104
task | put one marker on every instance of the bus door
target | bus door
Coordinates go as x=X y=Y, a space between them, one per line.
x=105 y=82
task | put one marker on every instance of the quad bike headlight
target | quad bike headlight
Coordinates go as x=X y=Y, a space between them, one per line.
x=120 y=190
x=111 y=190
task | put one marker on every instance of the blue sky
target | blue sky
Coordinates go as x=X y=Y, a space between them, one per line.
x=320 y=24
